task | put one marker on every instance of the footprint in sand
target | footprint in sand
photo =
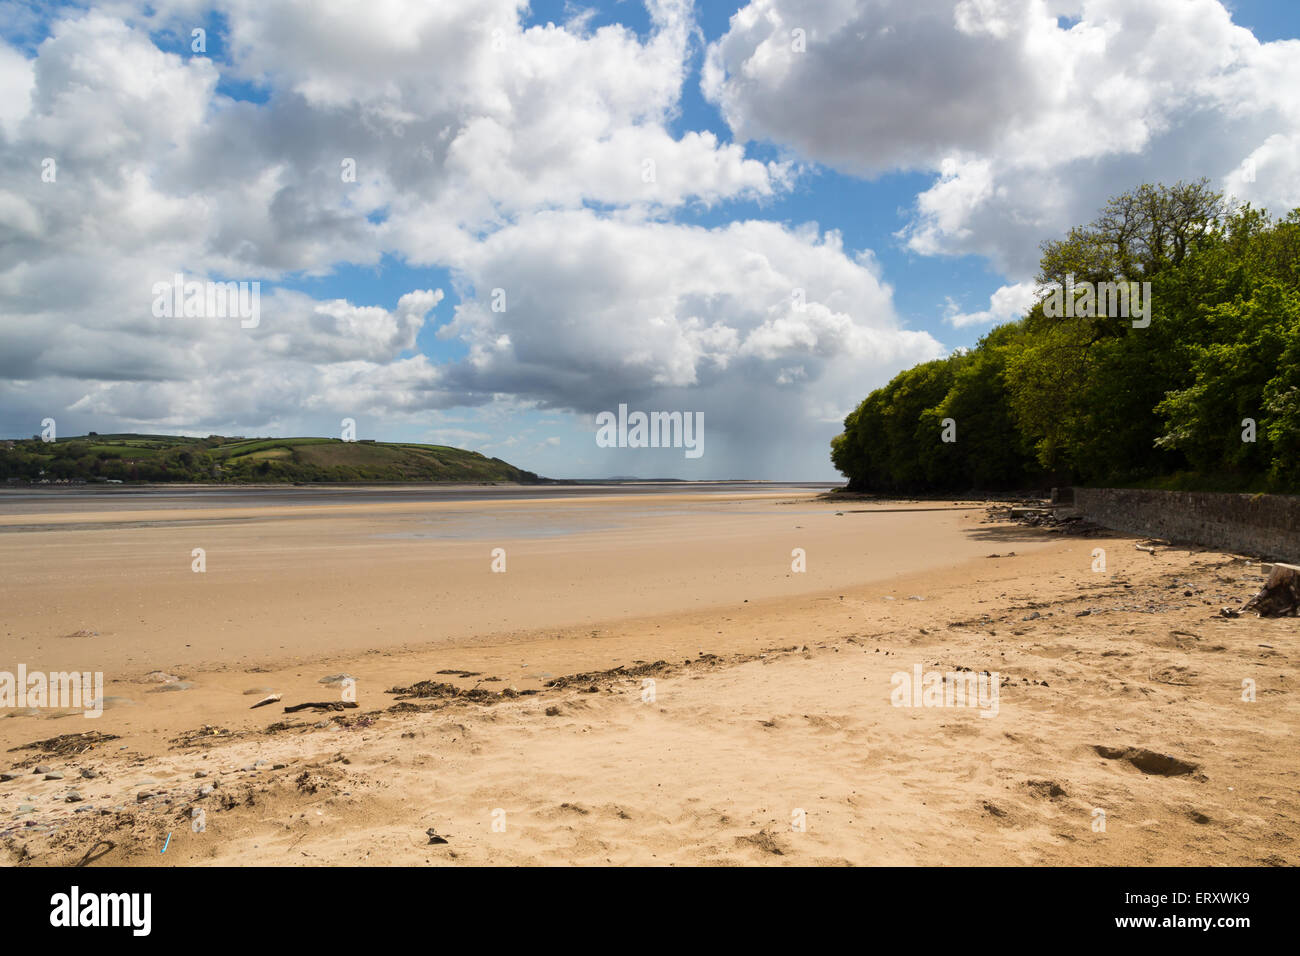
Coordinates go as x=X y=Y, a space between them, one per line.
x=1148 y=761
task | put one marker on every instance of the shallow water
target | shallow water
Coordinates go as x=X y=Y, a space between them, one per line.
x=50 y=500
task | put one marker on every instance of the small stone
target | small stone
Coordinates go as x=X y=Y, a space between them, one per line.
x=88 y=773
x=11 y=775
x=54 y=775
x=206 y=790
x=200 y=774
x=41 y=768
x=73 y=797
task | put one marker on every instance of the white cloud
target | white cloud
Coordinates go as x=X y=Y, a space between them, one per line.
x=773 y=333
x=1270 y=174
x=1006 y=304
x=1029 y=126
x=16 y=81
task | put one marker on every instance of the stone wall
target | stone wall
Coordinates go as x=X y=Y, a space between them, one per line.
x=1263 y=525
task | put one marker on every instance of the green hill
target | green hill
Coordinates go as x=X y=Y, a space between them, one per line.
x=129 y=457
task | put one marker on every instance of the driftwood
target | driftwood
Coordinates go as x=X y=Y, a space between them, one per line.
x=1280 y=595
x=322 y=705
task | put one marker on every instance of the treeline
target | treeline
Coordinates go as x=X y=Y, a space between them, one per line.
x=85 y=459
x=1201 y=393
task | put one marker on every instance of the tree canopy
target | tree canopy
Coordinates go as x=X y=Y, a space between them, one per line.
x=1207 y=395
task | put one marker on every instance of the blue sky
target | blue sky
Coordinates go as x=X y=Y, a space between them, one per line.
x=940 y=161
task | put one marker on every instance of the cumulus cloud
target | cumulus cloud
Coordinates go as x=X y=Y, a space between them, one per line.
x=775 y=333
x=1028 y=122
x=124 y=164
x=1006 y=304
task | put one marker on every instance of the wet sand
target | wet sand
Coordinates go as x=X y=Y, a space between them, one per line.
x=42 y=499
x=771 y=704
x=116 y=591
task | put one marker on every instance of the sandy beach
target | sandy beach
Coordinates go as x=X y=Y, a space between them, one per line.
x=650 y=680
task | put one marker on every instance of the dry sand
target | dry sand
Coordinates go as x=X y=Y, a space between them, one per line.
x=771 y=704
